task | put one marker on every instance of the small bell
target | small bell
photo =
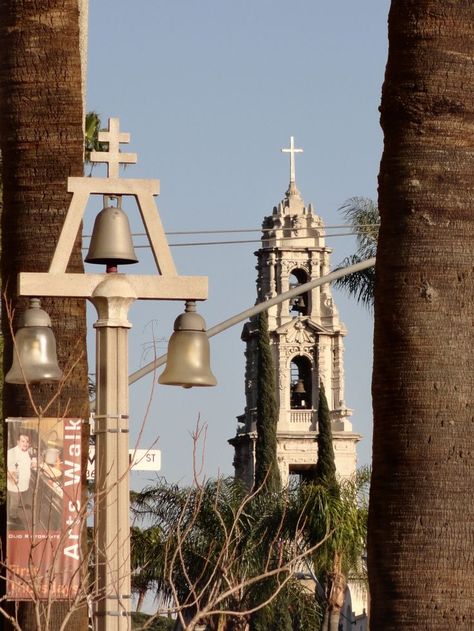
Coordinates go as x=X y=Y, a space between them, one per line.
x=34 y=357
x=297 y=303
x=188 y=362
x=299 y=388
x=111 y=242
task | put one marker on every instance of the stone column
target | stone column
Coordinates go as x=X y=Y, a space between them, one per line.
x=112 y=299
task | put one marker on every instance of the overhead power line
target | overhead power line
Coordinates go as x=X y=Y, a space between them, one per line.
x=240 y=241
x=232 y=230
x=238 y=230
x=349 y=233
x=237 y=241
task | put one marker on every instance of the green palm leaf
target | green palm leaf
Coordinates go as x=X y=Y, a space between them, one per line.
x=363 y=216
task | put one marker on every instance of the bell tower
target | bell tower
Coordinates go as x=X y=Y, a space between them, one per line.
x=306 y=337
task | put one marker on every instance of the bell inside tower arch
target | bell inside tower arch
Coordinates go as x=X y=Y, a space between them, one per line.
x=299 y=305
x=301 y=383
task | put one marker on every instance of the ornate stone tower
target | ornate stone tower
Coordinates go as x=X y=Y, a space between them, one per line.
x=307 y=344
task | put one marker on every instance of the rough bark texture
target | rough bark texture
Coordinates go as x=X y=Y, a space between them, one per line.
x=421 y=521
x=42 y=144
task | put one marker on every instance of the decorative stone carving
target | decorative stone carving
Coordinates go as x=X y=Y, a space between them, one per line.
x=316 y=336
x=288 y=265
x=328 y=304
x=316 y=222
x=304 y=265
x=299 y=334
x=282 y=381
x=297 y=349
x=297 y=223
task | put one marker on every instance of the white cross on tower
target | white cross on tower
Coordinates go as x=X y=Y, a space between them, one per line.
x=113 y=157
x=292 y=152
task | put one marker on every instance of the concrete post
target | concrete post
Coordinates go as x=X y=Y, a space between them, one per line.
x=112 y=299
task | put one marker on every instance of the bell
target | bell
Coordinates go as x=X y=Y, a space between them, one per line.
x=111 y=241
x=298 y=303
x=188 y=362
x=34 y=358
x=299 y=388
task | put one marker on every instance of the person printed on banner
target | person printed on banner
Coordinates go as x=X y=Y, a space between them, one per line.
x=19 y=466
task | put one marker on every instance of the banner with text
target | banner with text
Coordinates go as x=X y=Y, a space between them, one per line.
x=44 y=516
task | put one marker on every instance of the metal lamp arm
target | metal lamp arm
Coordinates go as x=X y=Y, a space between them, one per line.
x=261 y=306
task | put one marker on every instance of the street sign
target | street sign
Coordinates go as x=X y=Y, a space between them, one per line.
x=145 y=459
x=140 y=460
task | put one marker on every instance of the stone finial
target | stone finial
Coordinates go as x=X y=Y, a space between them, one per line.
x=113 y=157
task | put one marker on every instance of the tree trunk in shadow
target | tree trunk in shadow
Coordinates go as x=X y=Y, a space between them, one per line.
x=41 y=135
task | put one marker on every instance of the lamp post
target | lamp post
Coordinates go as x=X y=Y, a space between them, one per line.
x=112 y=295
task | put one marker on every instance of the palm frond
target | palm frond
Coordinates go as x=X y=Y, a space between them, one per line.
x=363 y=215
x=359 y=285
x=92 y=128
x=203 y=538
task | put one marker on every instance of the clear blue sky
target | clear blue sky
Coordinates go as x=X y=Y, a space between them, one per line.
x=210 y=91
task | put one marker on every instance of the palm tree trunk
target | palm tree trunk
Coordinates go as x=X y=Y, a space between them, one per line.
x=325 y=622
x=331 y=620
x=335 y=595
x=42 y=144
x=420 y=552
x=334 y=618
x=141 y=598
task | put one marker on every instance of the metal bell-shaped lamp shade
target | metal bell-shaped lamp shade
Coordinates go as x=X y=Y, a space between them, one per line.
x=111 y=242
x=188 y=362
x=34 y=356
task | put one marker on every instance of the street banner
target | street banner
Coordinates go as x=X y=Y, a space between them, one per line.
x=44 y=516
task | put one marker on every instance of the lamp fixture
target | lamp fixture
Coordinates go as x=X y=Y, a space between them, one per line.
x=188 y=362
x=34 y=358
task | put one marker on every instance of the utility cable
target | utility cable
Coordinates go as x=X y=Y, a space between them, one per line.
x=243 y=241
x=237 y=230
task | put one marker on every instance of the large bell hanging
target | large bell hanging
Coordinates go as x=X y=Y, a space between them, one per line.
x=299 y=388
x=188 y=362
x=34 y=356
x=111 y=242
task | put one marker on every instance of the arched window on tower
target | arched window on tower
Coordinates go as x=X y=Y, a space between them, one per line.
x=300 y=304
x=301 y=383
